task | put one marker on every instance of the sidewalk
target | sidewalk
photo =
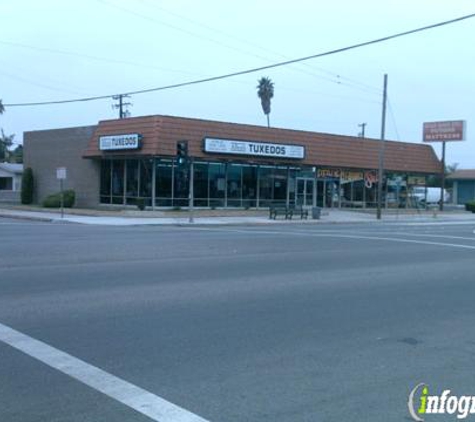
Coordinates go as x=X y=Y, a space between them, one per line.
x=232 y=217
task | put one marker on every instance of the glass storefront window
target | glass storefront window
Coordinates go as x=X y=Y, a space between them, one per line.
x=234 y=183
x=280 y=184
x=132 y=182
x=181 y=185
x=266 y=184
x=118 y=181
x=249 y=186
x=200 y=184
x=146 y=176
x=217 y=184
x=105 y=191
x=163 y=183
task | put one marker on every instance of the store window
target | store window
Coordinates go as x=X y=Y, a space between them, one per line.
x=266 y=184
x=201 y=184
x=132 y=182
x=105 y=190
x=249 y=186
x=234 y=184
x=118 y=181
x=145 y=180
x=163 y=183
x=217 y=184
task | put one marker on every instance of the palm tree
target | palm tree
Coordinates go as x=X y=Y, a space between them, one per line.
x=265 y=91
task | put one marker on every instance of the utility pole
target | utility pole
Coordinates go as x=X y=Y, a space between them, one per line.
x=442 y=177
x=122 y=106
x=382 y=148
x=362 y=126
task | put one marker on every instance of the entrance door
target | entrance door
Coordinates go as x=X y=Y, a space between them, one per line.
x=305 y=191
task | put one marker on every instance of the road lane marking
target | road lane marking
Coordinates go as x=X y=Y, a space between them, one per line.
x=141 y=400
x=345 y=236
x=397 y=233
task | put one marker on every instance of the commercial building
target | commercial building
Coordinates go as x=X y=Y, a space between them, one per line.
x=118 y=162
x=463 y=186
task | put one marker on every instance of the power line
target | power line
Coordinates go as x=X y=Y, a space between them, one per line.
x=252 y=70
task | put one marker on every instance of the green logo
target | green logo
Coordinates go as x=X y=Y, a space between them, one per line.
x=420 y=404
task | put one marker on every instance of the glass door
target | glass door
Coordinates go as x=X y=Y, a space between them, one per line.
x=305 y=191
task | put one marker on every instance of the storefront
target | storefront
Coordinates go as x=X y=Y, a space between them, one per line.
x=233 y=166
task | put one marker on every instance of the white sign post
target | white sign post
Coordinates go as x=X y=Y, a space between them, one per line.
x=61 y=174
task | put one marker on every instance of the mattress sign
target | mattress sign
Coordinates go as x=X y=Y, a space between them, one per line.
x=260 y=149
x=120 y=142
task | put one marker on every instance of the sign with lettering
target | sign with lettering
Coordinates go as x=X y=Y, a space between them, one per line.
x=328 y=173
x=260 y=149
x=444 y=131
x=120 y=142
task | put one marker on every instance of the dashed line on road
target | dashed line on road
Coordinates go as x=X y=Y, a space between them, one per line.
x=142 y=401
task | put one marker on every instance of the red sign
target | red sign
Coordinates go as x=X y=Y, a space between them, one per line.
x=444 y=131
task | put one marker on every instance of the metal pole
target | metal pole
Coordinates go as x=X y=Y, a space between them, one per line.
x=191 y=194
x=442 y=183
x=381 y=149
x=62 y=197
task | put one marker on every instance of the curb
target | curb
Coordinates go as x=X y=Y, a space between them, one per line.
x=27 y=217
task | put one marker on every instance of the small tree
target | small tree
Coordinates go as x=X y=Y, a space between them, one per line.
x=6 y=141
x=27 y=185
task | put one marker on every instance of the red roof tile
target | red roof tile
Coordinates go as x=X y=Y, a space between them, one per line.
x=160 y=134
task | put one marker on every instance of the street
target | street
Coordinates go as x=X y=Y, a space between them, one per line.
x=297 y=323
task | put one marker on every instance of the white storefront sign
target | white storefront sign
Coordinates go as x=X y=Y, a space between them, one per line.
x=118 y=142
x=260 y=149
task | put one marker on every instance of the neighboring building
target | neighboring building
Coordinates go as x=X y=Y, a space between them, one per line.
x=46 y=150
x=10 y=182
x=234 y=165
x=463 y=186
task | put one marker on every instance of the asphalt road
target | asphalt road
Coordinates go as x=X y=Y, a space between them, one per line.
x=296 y=323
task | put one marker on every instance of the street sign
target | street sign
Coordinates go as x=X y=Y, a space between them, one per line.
x=61 y=173
x=453 y=130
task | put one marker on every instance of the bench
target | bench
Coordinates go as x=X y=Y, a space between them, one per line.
x=298 y=209
x=280 y=209
x=287 y=211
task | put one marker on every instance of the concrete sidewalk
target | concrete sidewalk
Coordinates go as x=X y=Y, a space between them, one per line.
x=328 y=216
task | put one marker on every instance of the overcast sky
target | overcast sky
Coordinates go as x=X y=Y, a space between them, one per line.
x=56 y=49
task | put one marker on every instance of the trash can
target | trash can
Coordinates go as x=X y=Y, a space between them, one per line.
x=316 y=212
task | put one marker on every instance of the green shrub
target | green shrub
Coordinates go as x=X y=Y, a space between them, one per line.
x=54 y=201
x=470 y=206
x=27 y=185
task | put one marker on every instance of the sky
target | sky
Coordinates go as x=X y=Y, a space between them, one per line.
x=60 y=50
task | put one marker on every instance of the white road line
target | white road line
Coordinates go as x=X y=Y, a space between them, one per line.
x=142 y=401
x=346 y=236
x=397 y=233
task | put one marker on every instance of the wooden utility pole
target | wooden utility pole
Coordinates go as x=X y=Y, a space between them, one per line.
x=382 y=148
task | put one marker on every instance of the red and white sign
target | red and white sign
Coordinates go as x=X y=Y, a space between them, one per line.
x=453 y=130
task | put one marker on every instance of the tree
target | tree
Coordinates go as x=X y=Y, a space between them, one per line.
x=2 y=109
x=16 y=155
x=265 y=91
x=6 y=141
